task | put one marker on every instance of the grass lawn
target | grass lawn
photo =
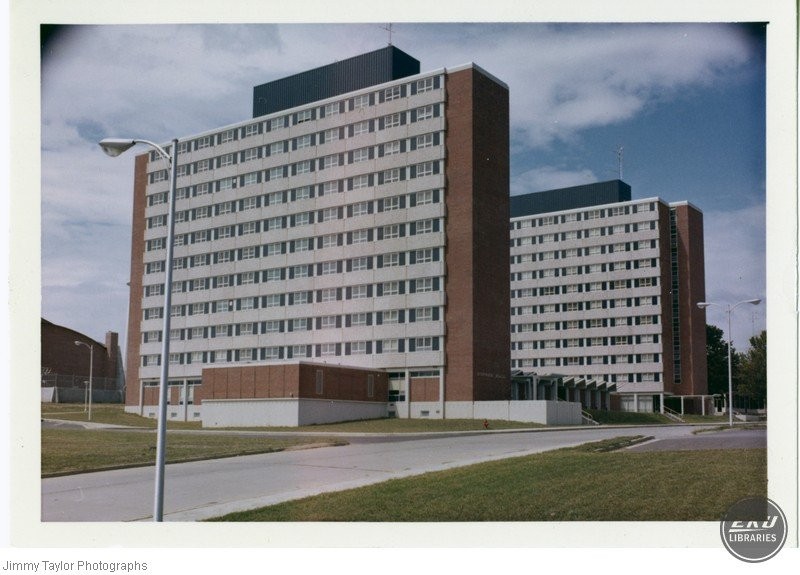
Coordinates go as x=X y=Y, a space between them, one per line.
x=67 y=451
x=578 y=484
x=112 y=413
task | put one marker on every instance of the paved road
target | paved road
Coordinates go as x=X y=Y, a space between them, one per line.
x=727 y=439
x=201 y=490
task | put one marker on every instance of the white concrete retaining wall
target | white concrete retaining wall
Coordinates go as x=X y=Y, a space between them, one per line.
x=314 y=411
x=250 y=412
x=289 y=412
x=540 y=411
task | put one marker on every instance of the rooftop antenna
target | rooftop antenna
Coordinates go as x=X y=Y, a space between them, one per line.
x=388 y=28
x=619 y=162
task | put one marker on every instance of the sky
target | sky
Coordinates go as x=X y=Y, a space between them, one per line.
x=685 y=103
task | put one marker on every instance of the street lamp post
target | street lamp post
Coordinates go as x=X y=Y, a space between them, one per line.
x=729 y=310
x=114 y=147
x=91 y=365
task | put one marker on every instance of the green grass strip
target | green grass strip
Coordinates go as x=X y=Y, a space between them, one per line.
x=578 y=484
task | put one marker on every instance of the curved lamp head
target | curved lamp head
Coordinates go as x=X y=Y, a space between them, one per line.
x=703 y=304
x=115 y=146
x=753 y=301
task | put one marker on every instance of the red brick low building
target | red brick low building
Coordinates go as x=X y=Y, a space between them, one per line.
x=65 y=365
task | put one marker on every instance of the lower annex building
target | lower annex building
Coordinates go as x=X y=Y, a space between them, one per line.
x=347 y=258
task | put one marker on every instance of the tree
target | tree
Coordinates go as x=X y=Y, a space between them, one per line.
x=752 y=381
x=717 y=352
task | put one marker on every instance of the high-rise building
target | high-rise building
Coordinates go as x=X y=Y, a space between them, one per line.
x=605 y=291
x=367 y=228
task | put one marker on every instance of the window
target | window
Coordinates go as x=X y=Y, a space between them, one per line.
x=300 y=271
x=359 y=264
x=249 y=228
x=424 y=85
x=359 y=292
x=303 y=167
x=248 y=303
x=391 y=316
x=300 y=297
x=330 y=161
x=392 y=148
x=390 y=232
x=274 y=248
x=332 y=134
x=249 y=203
x=275 y=198
x=202 y=166
x=360 y=236
x=361 y=101
x=304 y=116
x=424 y=314
x=328 y=322
x=390 y=345
x=272 y=353
x=277 y=123
x=360 y=182
x=392 y=175
x=332 y=109
x=594 y=323
x=330 y=240
x=425 y=169
x=276 y=173
x=300 y=324
x=227 y=160
x=328 y=294
x=300 y=350
x=360 y=128
x=302 y=219
x=272 y=326
x=361 y=155
x=303 y=245
x=275 y=223
x=248 y=278
x=272 y=275
x=150 y=360
x=423 y=285
x=391 y=288
x=425 y=113
x=424 y=255
x=272 y=300
x=251 y=130
x=423 y=344
x=361 y=208
x=359 y=319
x=250 y=154
x=391 y=121
x=424 y=227
x=223 y=281
x=358 y=347
x=327 y=349
x=424 y=141
x=392 y=93
x=391 y=260
x=391 y=204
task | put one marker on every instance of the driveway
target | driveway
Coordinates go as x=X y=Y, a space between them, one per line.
x=204 y=489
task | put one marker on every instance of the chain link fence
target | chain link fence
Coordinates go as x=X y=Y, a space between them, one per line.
x=58 y=388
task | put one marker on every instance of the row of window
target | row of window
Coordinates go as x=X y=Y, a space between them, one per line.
x=309 y=140
x=575 y=306
x=356 y=182
x=582 y=342
x=549 y=363
x=583 y=234
x=333 y=213
x=361 y=291
x=384 y=317
x=272 y=353
x=593 y=214
x=594 y=250
x=595 y=359
x=585 y=324
x=584 y=270
x=301 y=167
x=585 y=288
